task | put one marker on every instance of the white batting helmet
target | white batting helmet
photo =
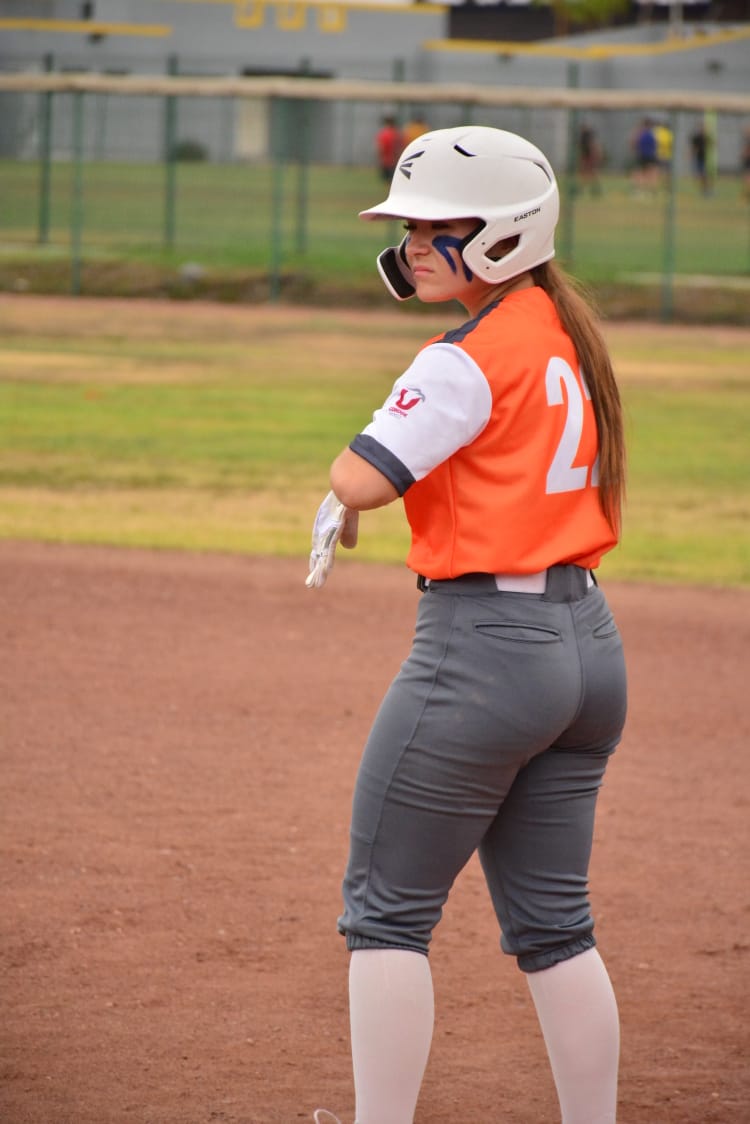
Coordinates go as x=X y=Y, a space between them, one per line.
x=473 y=172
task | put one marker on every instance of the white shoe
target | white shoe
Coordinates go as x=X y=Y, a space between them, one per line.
x=323 y=1116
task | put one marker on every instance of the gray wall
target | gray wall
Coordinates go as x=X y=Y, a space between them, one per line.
x=374 y=44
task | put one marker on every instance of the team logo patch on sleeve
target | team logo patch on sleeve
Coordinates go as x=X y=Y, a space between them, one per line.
x=406 y=399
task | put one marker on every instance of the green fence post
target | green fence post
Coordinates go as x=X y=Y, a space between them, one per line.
x=303 y=166
x=170 y=158
x=76 y=210
x=567 y=227
x=398 y=74
x=277 y=194
x=303 y=169
x=101 y=106
x=670 y=220
x=45 y=156
x=349 y=130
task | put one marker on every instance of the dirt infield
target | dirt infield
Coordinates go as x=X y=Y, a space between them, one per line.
x=179 y=738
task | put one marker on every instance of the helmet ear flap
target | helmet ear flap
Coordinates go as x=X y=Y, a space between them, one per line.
x=394 y=270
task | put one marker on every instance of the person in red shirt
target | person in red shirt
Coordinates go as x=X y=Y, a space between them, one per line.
x=504 y=438
x=388 y=143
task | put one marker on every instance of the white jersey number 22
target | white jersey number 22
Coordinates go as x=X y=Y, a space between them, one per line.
x=564 y=475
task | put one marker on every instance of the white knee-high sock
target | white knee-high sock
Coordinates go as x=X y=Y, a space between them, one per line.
x=391 y=1011
x=577 y=1011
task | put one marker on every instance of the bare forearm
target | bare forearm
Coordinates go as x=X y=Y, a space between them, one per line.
x=358 y=484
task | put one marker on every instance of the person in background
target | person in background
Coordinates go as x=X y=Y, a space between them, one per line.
x=664 y=147
x=646 y=170
x=745 y=164
x=414 y=128
x=700 y=145
x=590 y=159
x=504 y=437
x=388 y=145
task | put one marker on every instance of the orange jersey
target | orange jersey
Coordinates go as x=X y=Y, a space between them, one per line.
x=523 y=495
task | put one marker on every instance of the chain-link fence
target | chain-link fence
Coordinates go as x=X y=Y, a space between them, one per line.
x=110 y=183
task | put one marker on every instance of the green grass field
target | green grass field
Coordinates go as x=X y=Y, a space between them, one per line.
x=211 y=427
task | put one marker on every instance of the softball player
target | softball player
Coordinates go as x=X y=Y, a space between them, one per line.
x=504 y=438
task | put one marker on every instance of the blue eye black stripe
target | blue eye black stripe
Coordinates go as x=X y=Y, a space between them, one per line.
x=443 y=243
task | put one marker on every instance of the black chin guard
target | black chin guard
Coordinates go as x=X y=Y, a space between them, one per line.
x=397 y=277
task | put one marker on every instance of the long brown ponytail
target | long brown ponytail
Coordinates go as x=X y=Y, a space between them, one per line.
x=579 y=320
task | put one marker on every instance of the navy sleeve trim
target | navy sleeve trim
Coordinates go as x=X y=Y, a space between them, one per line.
x=381 y=458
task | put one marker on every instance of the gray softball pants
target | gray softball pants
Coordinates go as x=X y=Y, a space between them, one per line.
x=494 y=736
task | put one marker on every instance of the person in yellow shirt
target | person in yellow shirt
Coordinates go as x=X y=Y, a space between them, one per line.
x=664 y=146
x=414 y=128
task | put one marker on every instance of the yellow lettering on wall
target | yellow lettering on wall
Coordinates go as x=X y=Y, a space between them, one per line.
x=331 y=17
x=291 y=17
x=249 y=13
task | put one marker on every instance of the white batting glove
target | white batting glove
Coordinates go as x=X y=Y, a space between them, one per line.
x=333 y=521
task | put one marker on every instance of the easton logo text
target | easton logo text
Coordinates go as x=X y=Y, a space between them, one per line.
x=527 y=214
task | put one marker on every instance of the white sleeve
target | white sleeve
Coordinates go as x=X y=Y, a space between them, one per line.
x=441 y=403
